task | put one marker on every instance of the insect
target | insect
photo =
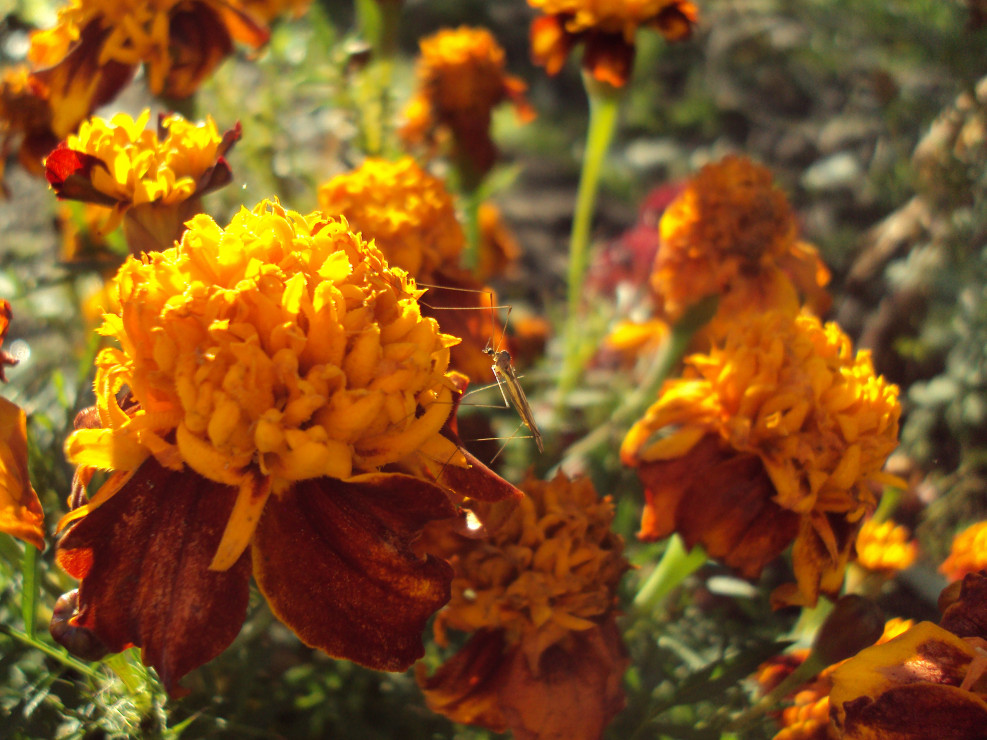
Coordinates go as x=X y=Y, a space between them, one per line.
x=507 y=378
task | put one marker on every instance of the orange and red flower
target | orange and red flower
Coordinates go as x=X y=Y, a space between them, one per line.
x=461 y=79
x=545 y=659
x=607 y=29
x=968 y=552
x=774 y=435
x=20 y=510
x=276 y=405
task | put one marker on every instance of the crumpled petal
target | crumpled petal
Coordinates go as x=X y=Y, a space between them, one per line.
x=334 y=561
x=967 y=615
x=143 y=558
x=20 y=509
x=572 y=695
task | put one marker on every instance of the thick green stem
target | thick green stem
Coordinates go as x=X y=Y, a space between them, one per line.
x=471 y=255
x=604 y=104
x=675 y=566
x=378 y=22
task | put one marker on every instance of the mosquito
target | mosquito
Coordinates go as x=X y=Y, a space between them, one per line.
x=505 y=374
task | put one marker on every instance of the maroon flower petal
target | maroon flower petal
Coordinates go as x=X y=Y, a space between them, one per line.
x=334 y=560
x=143 y=557
x=69 y=174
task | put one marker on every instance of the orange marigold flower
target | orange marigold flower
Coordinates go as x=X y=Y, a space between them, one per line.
x=925 y=683
x=539 y=597
x=732 y=232
x=153 y=181
x=276 y=404
x=461 y=79
x=411 y=217
x=779 y=430
x=180 y=42
x=608 y=30
x=968 y=552
x=499 y=248
x=20 y=510
x=885 y=546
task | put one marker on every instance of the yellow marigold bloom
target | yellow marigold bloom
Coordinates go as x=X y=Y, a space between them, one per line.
x=885 y=546
x=731 y=231
x=608 y=28
x=275 y=403
x=461 y=79
x=157 y=178
x=789 y=428
x=539 y=597
x=408 y=213
x=968 y=552
x=411 y=217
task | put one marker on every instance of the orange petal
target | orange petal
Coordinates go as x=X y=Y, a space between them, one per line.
x=143 y=557
x=550 y=43
x=20 y=509
x=334 y=561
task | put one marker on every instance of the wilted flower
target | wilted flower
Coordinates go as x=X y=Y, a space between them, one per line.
x=968 y=552
x=412 y=219
x=461 y=79
x=20 y=510
x=732 y=232
x=276 y=404
x=885 y=546
x=776 y=434
x=926 y=683
x=545 y=659
x=152 y=180
x=607 y=29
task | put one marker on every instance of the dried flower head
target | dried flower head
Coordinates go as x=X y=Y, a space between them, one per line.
x=461 y=79
x=781 y=430
x=539 y=598
x=277 y=397
x=608 y=29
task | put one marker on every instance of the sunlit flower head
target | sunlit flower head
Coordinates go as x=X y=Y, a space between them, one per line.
x=156 y=177
x=461 y=79
x=775 y=434
x=607 y=28
x=885 y=546
x=180 y=42
x=925 y=683
x=20 y=510
x=539 y=598
x=968 y=552
x=275 y=383
x=732 y=232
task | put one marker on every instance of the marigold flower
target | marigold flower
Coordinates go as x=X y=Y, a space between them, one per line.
x=779 y=430
x=608 y=30
x=732 y=232
x=180 y=42
x=885 y=546
x=926 y=682
x=152 y=180
x=20 y=510
x=499 y=248
x=968 y=552
x=545 y=659
x=411 y=217
x=284 y=396
x=461 y=79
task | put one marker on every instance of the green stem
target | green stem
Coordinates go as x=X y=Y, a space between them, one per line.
x=604 y=105
x=675 y=566
x=29 y=589
x=471 y=255
x=60 y=655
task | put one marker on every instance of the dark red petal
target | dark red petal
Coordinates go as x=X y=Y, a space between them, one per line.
x=334 y=560
x=467 y=687
x=608 y=58
x=144 y=556
x=967 y=615
x=70 y=175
